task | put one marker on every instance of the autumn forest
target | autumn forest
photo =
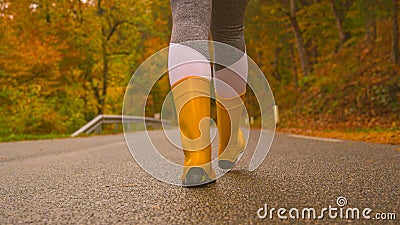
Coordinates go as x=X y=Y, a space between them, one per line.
x=332 y=64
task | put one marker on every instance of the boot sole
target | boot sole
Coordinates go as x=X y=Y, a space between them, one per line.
x=196 y=177
x=228 y=165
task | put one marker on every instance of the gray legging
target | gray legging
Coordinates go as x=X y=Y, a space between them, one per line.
x=192 y=20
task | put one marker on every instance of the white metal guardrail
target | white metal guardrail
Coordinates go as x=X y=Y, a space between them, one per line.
x=98 y=121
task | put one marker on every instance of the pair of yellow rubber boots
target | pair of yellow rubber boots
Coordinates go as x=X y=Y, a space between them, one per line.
x=192 y=103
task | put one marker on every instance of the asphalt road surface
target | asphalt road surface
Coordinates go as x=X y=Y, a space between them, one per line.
x=96 y=180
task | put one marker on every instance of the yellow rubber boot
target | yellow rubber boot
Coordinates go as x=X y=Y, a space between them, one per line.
x=231 y=139
x=192 y=103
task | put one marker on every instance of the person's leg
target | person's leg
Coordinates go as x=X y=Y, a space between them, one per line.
x=230 y=78
x=190 y=82
x=190 y=30
x=227 y=26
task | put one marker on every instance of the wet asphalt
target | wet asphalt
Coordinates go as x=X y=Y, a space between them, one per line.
x=96 y=180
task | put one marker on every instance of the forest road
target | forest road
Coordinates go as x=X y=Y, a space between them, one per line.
x=96 y=180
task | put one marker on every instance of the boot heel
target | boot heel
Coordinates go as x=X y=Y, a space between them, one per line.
x=196 y=176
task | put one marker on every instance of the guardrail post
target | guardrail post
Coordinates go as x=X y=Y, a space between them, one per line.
x=116 y=127
x=276 y=114
x=99 y=129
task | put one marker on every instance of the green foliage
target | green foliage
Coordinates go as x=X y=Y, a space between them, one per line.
x=63 y=62
x=351 y=85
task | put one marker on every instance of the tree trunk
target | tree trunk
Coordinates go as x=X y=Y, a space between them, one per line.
x=275 y=64
x=294 y=68
x=105 y=79
x=369 y=12
x=370 y=24
x=343 y=37
x=395 y=34
x=96 y=94
x=370 y=28
x=305 y=64
x=100 y=97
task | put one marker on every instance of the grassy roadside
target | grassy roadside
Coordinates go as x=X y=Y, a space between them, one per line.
x=31 y=137
x=27 y=137
x=381 y=136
